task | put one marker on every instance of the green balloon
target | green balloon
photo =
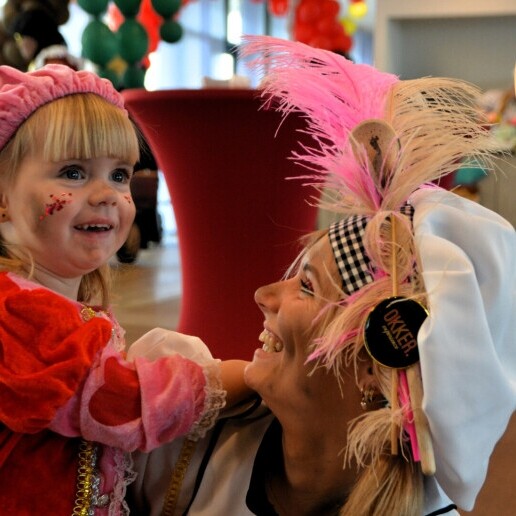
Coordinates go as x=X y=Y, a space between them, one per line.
x=133 y=77
x=166 y=8
x=129 y=8
x=99 y=44
x=94 y=7
x=106 y=73
x=171 y=32
x=133 y=41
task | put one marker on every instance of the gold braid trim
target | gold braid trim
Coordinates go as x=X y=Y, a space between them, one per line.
x=86 y=479
x=87 y=496
x=180 y=467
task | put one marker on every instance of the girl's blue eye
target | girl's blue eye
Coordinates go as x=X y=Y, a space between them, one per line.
x=307 y=287
x=120 y=175
x=73 y=173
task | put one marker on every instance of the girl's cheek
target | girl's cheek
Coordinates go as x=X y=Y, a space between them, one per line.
x=55 y=203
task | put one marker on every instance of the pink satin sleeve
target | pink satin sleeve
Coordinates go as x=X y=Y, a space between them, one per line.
x=141 y=404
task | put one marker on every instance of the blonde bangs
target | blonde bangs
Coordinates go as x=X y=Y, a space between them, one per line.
x=81 y=126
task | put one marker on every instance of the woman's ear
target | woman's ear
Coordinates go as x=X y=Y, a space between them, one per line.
x=365 y=372
x=372 y=398
x=4 y=213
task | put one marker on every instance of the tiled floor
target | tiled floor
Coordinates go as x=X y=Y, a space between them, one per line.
x=148 y=295
x=148 y=292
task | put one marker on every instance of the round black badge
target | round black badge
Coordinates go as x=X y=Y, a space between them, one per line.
x=391 y=332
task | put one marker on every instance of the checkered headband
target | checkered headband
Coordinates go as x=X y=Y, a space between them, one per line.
x=346 y=238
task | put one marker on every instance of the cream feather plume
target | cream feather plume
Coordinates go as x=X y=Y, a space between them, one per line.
x=435 y=122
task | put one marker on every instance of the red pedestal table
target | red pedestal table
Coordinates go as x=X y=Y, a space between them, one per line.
x=225 y=161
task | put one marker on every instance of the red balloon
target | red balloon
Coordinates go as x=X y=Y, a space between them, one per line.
x=329 y=27
x=152 y=21
x=114 y=17
x=330 y=8
x=304 y=32
x=321 y=41
x=343 y=42
x=308 y=11
x=278 y=7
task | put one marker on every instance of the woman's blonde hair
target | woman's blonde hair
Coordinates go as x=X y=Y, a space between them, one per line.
x=79 y=126
x=386 y=484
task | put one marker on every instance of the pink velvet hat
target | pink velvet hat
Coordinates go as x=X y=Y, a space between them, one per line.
x=22 y=93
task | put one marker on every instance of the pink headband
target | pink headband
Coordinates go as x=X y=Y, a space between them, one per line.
x=22 y=93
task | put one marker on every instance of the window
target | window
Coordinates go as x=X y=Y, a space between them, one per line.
x=211 y=30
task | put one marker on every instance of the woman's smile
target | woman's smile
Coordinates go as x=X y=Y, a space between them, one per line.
x=271 y=343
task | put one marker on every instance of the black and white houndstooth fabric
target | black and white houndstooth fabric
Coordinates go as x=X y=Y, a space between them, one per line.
x=346 y=238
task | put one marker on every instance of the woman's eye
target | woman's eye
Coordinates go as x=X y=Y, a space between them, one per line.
x=121 y=176
x=307 y=287
x=72 y=173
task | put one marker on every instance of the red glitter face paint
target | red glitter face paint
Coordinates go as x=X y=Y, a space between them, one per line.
x=57 y=204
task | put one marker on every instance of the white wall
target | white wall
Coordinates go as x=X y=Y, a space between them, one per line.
x=474 y=40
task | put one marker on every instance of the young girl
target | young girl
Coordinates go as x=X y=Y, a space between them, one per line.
x=67 y=151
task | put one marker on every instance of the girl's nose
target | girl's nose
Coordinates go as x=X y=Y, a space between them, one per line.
x=103 y=194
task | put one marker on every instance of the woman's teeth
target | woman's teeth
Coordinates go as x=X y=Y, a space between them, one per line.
x=270 y=342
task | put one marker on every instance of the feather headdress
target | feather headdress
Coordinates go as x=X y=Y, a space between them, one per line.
x=434 y=122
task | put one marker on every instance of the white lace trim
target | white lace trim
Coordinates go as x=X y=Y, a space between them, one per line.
x=214 y=402
x=124 y=475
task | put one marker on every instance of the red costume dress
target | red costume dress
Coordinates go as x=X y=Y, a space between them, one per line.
x=65 y=386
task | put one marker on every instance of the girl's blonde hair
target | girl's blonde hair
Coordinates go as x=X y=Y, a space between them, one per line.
x=78 y=126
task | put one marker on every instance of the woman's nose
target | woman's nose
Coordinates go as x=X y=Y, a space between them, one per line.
x=267 y=297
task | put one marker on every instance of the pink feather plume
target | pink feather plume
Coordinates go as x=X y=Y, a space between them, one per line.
x=336 y=95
